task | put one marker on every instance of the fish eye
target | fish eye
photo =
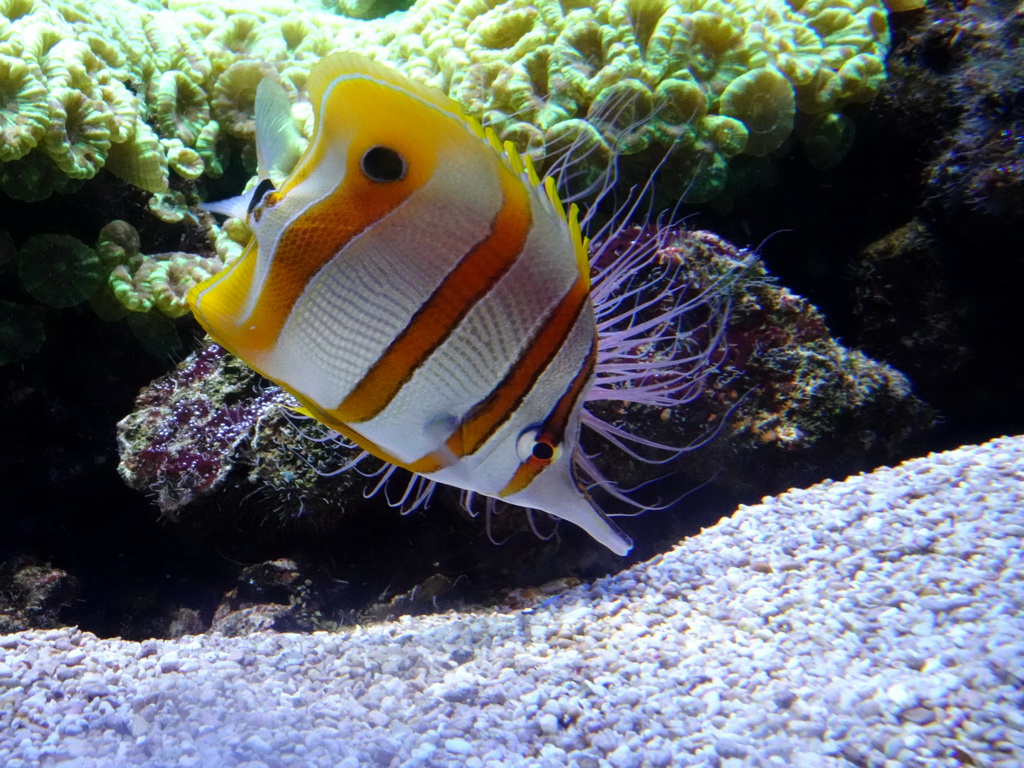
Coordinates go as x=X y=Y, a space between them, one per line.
x=383 y=164
x=537 y=448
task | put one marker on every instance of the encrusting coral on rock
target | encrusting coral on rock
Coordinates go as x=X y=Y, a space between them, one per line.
x=33 y=594
x=195 y=429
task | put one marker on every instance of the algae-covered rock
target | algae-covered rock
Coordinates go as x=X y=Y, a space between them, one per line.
x=784 y=404
x=212 y=425
x=34 y=595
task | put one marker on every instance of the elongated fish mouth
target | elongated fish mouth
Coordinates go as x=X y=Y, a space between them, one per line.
x=556 y=493
x=598 y=525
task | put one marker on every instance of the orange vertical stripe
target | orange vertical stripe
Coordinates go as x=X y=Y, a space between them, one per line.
x=486 y=416
x=467 y=283
x=318 y=236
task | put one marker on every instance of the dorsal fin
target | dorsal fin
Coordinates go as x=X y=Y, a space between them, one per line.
x=278 y=141
x=523 y=166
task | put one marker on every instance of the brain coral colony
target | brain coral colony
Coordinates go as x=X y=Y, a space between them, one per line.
x=718 y=79
x=147 y=91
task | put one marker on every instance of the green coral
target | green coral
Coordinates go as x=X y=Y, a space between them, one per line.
x=25 y=114
x=169 y=206
x=182 y=111
x=764 y=102
x=649 y=71
x=34 y=177
x=371 y=9
x=59 y=270
x=133 y=87
x=78 y=138
x=160 y=281
x=142 y=282
x=184 y=161
x=147 y=89
x=141 y=160
x=234 y=96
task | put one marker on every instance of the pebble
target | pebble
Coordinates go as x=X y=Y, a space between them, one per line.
x=901 y=696
x=257 y=745
x=893 y=747
x=918 y=715
x=874 y=621
x=458 y=746
x=727 y=746
x=548 y=724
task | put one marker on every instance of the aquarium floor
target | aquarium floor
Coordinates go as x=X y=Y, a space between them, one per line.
x=874 y=621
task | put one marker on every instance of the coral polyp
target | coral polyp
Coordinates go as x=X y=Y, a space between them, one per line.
x=59 y=270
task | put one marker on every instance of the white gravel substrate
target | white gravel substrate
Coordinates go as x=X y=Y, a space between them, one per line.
x=872 y=622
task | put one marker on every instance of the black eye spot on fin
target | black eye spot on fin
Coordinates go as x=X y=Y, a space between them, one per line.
x=262 y=190
x=383 y=164
x=543 y=451
x=538 y=448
